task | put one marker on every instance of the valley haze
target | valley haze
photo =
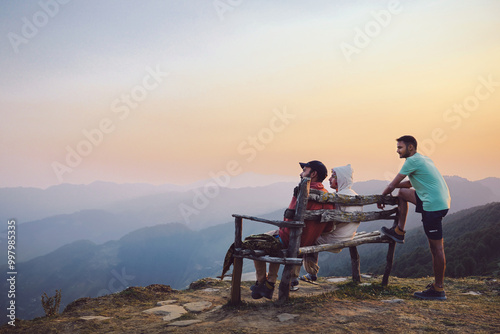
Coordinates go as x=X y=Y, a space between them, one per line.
x=93 y=230
x=102 y=211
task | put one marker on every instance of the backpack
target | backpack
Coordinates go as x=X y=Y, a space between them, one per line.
x=271 y=245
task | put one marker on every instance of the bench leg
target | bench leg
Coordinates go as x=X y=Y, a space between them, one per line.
x=236 y=281
x=284 y=290
x=388 y=266
x=356 y=274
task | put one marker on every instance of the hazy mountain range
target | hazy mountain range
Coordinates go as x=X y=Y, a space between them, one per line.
x=174 y=255
x=29 y=204
x=102 y=211
x=102 y=237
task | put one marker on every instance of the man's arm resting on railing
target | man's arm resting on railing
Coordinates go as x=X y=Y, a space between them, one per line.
x=396 y=183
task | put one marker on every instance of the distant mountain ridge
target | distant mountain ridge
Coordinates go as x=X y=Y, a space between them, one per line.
x=175 y=255
x=28 y=204
x=103 y=211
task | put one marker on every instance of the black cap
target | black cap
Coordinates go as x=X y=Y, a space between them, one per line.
x=316 y=166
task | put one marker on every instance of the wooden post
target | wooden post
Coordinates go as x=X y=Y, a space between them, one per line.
x=294 y=239
x=356 y=272
x=390 y=254
x=237 y=264
x=388 y=266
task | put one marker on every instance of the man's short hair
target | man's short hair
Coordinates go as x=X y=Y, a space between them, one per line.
x=408 y=140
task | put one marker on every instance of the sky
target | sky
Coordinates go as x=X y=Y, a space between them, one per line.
x=180 y=91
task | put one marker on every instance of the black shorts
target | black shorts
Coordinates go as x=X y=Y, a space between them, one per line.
x=432 y=220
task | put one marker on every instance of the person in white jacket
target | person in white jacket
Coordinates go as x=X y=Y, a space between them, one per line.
x=341 y=181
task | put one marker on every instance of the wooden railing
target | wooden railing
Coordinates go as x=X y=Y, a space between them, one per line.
x=292 y=255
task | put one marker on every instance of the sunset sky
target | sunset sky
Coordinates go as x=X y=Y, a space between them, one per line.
x=176 y=91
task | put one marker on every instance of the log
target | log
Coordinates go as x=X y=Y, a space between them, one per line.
x=388 y=266
x=356 y=270
x=256 y=252
x=339 y=216
x=238 y=232
x=349 y=243
x=294 y=241
x=270 y=259
x=237 y=264
x=322 y=197
x=390 y=255
x=364 y=233
x=245 y=252
x=236 y=281
x=278 y=223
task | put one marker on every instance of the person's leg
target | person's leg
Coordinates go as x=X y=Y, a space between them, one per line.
x=438 y=261
x=294 y=282
x=405 y=195
x=272 y=275
x=397 y=233
x=295 y=272
x=432 y=222
x=260 y=271
x=435 y=291
x=311 y=265
x=433 y=228
x=342 y=232
x=264 y=287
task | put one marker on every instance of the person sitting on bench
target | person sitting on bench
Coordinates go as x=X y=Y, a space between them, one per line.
x=316 y=170
x=341 y=181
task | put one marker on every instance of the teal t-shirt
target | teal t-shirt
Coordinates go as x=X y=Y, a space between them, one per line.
x=428 y=182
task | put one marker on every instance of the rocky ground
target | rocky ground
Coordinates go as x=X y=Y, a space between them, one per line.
x=333 y=306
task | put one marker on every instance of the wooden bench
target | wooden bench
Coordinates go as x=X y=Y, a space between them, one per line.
x=292 y=255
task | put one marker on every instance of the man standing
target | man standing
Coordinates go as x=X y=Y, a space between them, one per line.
x=264 y=287
x=431 y=198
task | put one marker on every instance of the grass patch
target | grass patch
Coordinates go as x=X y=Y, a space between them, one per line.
x=207 y=283
x=449 y=323
x=351 y=290
x=246 y=306
x=186 y=316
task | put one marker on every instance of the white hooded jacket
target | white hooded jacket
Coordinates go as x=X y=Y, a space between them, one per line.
x=342 y=231
x=344 y=183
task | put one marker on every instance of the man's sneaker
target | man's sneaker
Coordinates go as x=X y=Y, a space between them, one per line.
x=430 y=294
x=264 y=289
x=294 y=285
x=308 y=278
x=393 y=234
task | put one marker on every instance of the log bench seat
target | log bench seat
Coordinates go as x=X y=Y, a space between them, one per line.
x=292 y=256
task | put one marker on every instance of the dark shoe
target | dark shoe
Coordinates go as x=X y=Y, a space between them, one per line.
x=254 y=286
x=265 y=289
x=308 y=278
x=294 y=285
x=430 y=294
x=391 y=233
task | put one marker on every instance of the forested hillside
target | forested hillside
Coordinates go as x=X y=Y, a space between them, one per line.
x=471 y=239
